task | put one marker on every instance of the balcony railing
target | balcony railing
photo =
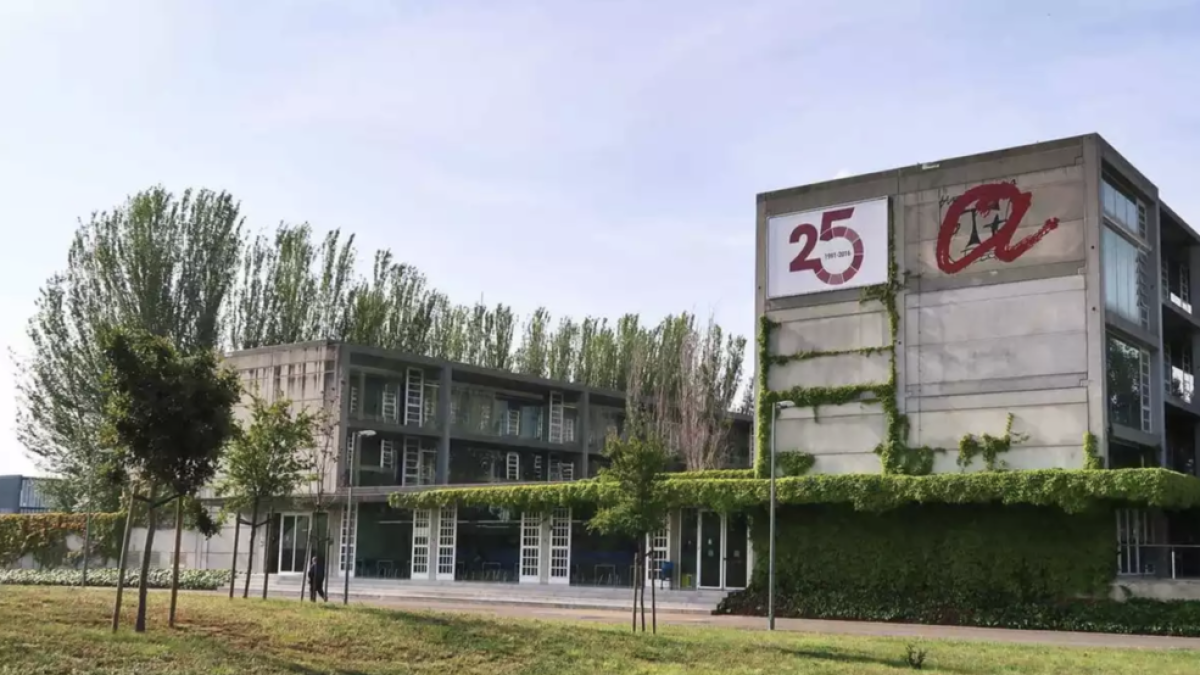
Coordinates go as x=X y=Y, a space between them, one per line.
x=1159 y=561
x=1180 y=384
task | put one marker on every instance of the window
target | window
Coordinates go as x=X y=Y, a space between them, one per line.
x=1124 y=267
x=1122 y=209
x=1128 y=385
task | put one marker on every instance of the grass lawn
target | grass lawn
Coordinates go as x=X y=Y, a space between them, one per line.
x=61 y=630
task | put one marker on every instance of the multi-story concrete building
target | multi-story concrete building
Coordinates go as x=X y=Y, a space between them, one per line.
x=1049 y=282
x=23 y=494
x=402 y=422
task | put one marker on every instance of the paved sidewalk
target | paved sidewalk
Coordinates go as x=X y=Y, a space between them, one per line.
x=909 y=631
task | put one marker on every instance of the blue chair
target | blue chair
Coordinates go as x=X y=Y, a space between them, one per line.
x=665 y=570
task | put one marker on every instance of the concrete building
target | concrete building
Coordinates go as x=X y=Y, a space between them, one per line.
x=431 y=423
x=1049 y=282
x=23 y=494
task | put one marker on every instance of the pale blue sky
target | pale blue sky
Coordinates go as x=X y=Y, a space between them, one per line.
x=592 y=157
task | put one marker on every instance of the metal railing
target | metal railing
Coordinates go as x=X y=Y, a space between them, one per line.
x=1180 y=383
x=1159 y=561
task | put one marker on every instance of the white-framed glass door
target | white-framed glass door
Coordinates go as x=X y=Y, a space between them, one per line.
x=560 y=546
x=657 y=544
x=348 y=535
x=531 y=548
x=420 y=544
x=447 y=542
x=293 y=543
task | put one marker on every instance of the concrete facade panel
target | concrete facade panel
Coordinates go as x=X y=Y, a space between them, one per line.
x=855 y=329
x=1014 y=385
x=831 y=434
x=830 y=371
x=1063 y=244
x=999 y=358
x=858 y=463
x=1045 y=425
x=1019 y=310
x=1056 y=193
x=1022 y=457
x=1013 y=399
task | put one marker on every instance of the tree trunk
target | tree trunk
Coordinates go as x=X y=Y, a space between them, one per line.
x=266 y=545
x=654 y=604
x=327 y=543
x=124 y=561
x=139 y=625
x=175 y=561
x=237 y=534
x=307 y=554
x=642 y=582
x=633 y=582
x=250 y=559
x=87 y=543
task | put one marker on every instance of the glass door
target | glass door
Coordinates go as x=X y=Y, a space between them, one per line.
x=689 y=551
x=711 y=549
x=293 y=542
x=737 y=528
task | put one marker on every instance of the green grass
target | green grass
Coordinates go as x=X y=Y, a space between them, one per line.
x=57 y=630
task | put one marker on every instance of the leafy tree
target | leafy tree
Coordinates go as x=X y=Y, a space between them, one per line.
x=159 y=262
x=179 y=266
x=171 y=415
x=321 y=459
x=265 y=463
x=636 y=466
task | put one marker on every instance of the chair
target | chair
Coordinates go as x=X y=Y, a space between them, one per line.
x=665 y=570
x=384 y=569
x=491 y=571
x=606 y=573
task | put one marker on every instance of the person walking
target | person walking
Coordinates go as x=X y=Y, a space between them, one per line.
x=316 y=580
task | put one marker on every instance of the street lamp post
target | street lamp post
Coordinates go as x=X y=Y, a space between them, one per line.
x=347 y=559
x=781 y=405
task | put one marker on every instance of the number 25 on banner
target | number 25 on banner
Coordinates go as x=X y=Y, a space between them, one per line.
x=849 y=250
x=829 y=233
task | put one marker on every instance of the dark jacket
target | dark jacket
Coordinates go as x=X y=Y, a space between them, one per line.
x=316 y=570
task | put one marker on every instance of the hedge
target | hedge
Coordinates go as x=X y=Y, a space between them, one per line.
x=1022 y=567
x=1073 y=491
x=1135 y=616
x=193 y=580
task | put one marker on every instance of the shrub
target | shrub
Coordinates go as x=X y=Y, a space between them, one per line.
x=192 y=580
x=1136 y=616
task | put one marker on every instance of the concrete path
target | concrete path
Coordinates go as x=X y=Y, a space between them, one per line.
x=893 y=630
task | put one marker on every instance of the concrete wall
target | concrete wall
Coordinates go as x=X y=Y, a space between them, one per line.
x=1020 y=336
x=305 y=374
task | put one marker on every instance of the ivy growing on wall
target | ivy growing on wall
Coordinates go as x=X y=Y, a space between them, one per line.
x=44 y=537
x=895 y=454
x=930 y=562
x=1091 y=453
x=1072 y=490
x=989 y=447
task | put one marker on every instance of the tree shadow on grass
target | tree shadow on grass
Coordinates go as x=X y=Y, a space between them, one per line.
x=864 y=659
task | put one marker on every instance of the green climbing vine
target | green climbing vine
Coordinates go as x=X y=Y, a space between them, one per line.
x=989 y=447
x=1091 y=452
x=895 y=454
x=783 y=359
x=794 y=463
